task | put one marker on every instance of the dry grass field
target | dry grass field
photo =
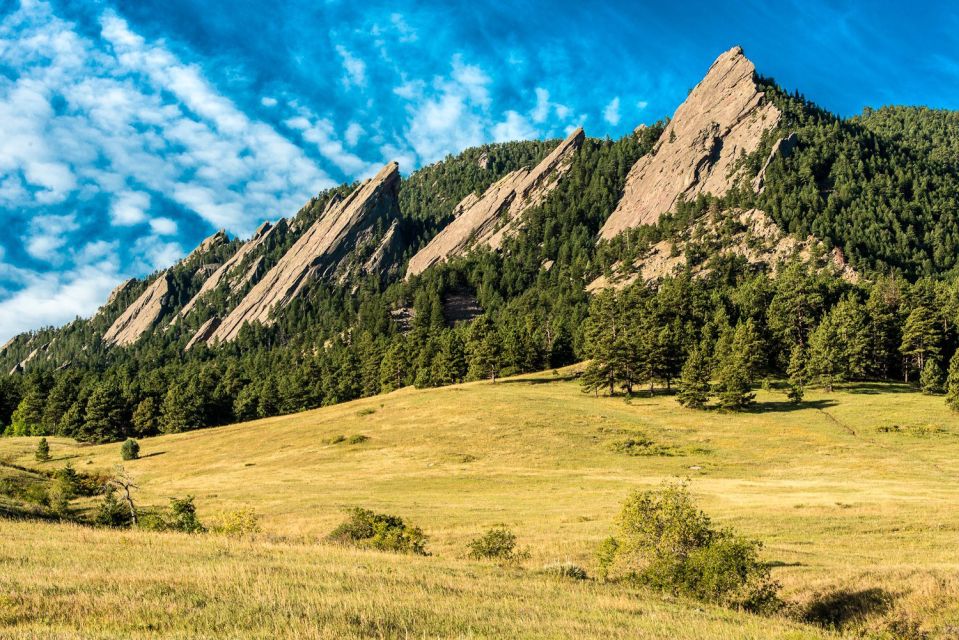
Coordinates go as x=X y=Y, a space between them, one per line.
x=855 y=495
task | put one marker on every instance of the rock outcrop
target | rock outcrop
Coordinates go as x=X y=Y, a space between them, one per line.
x=486 y=220
x=755 y=238
x=227 y=271
x=319 y=252
x=203 y=333
x=209 y=244
x=140 y=316
x=723 y=118
x=783 y=148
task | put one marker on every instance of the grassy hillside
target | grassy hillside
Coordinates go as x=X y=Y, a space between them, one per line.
x=855 y=495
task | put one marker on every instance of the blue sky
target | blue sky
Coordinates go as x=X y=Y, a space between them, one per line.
x=131 y=129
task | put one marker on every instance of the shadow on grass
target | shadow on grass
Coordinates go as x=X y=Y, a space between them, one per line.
x=151 y=455
x=786 y=406
x=837 y=609
x=875 y=388
x=560 y=378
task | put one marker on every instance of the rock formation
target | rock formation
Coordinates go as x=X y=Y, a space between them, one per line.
x=319 y=252
x=486 y=220
x=723 y=118
x=757 y=239
x=203 y=333
x=141 y=315
x=261 y=238
x=209 y=244
x=783 y=148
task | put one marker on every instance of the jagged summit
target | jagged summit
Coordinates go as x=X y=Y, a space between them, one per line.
x=723 y=118
x=479 y=220
x=319 y=252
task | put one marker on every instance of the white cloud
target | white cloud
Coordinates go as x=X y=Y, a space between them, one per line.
x=48 y=235
x=514 y=127
x=404 y=31
x=163 y=226
x=354 y=67
x=321 y=133
x=267 y=101
x=541 y=110
x=353 y=133
x=642 y=104
x=611 y=112
x=130 y=207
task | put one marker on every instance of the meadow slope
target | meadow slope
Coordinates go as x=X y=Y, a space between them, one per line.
x=855 y=495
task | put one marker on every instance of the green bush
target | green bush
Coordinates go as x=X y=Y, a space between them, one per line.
x=111 y=512
x=664 y=541
x=499 y=543
x=130 y=449
x=364 y=528
x=42 y=453
x=357 y=439
x=182 y=516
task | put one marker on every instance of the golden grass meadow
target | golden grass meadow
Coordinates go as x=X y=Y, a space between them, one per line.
x=855 y=495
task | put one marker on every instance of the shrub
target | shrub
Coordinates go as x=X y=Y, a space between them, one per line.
x=499 y=543
x=566 y=570
x=111 y=512
x=667 y=543
x=364 y=528
x=357 y=439
x=182 y=516
x=42 y=453
x=130 y=449
x=239 y=524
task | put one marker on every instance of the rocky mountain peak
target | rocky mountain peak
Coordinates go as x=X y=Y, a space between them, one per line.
x=320 y=252
x=485 y=220
x=723 y=117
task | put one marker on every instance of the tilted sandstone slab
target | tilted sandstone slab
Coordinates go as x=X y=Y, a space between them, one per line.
x=260 y=238
x=723 y=118
x=203 y=333
x=140 y=316
x=488 y=219
x=318 y=252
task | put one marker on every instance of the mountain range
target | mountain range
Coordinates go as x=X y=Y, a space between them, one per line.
x=743 y=172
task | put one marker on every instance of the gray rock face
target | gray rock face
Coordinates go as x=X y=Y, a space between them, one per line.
x=318 y=252
x=783 y=148
x=203 y=333
x=486 y=220
x=140 y=316
x=227 y=271
x=723 y=118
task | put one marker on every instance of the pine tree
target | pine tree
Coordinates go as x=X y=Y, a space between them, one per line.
x=931 y=378
x=952 y=383
x=130 y=449
x=920 y=338
x=798 y=365
x=105 y=417
x=734 y=385
x=146 y=417
x=484 y=349
x=42 y=453
x=826 y=354
x=694 y=387
x=28 y=418
x=182 y=409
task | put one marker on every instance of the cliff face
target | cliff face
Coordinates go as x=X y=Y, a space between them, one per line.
x=322 y=251
x=487 y=219
x=140 y=316
x=229 y=271
x=723 y=118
